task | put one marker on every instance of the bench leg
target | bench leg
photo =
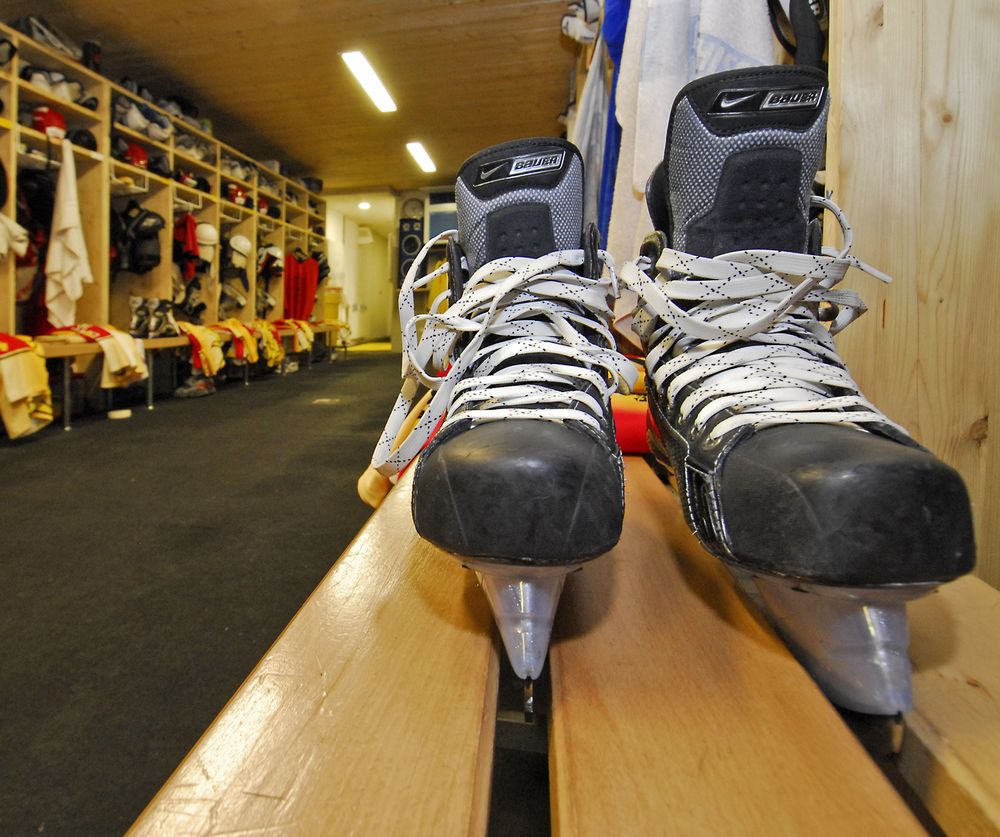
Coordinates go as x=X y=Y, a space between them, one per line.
x=149 y=380
x=67 y=393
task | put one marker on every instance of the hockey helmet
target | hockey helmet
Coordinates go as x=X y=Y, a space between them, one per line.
x=187 y=178
x=236 y=193
x=137 y=156
x=50 y=122
x=240 y=246
x=82 y=138
x=208 y=238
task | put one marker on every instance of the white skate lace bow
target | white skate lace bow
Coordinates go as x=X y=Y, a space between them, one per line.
x=748 y=338
x=538 y=306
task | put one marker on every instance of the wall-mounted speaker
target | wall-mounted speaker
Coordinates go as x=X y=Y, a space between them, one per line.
x=411 y=239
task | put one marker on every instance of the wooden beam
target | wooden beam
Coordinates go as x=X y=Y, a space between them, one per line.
x=952 y=737
x=676 y=710
x=913 y=120
x=373 y=713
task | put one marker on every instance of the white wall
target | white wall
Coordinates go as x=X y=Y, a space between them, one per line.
x=363 y=271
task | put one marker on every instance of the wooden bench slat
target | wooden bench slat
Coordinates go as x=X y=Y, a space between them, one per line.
x=951 y=744
x=677 y=710
x=54 y=350
x=327 y=326
x=167 y=342
x=373 y=713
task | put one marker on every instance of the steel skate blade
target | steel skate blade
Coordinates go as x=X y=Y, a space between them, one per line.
x=524 y=601
x=852 y=640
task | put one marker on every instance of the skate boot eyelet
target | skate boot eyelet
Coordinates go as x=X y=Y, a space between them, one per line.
x=828 y=312
x=711 y=442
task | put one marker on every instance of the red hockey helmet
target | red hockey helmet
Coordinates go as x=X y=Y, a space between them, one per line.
x=50 y=122
x=137 y=156
x=236 y=193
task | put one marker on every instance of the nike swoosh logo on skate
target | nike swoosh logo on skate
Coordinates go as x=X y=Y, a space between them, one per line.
x=727 y=102
x=486 y=174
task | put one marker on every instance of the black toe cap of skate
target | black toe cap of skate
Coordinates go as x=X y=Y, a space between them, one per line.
x=521 y=491
x=840 y=506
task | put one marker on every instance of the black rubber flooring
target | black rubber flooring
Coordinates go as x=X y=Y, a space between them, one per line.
x=147 y=564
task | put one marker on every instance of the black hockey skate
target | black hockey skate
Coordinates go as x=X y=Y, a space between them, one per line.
x=829 y=514
x=523 y=480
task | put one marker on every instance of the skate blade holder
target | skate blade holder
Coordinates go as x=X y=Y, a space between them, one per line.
x=854 y=641
x=374 y=712
x=524 y=600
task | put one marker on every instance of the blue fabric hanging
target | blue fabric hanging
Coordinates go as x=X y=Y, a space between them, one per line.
x=613 y=32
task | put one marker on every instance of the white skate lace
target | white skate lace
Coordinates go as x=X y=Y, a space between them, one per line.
x=747 y=337
x=538 y=307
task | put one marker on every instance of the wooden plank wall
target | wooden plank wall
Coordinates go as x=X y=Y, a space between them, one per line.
x=912 y=159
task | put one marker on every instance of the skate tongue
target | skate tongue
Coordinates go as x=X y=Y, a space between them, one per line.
x=742 y=151
x=521 y=198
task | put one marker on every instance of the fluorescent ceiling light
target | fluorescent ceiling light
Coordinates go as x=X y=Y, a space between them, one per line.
x=364 y=205
x=365 y=75
x=421 y=156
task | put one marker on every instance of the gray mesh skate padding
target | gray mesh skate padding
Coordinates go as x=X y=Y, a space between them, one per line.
x=697 y=157
x=565 y=200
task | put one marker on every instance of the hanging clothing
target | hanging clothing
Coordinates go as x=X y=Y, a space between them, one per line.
x=302 y=337
x=242 y=345
x=12 y=237
x=613 y=36
x=589 y=128
x=291 y=284
x=301 y=281
x=269 y=342
x=667 y=44
x=186 y=245
x=206 y=348
x=67 y=267
x=25 y=397
x=309 y=273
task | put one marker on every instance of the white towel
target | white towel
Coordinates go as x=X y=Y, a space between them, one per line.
x=12 y=237
x=67 y=267
x=667 y=44
x=124 y=360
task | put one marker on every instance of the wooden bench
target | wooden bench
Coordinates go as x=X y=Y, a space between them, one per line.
x=951 y=747
x=67 y=351
x=674 y=707
x=326 y=328
x=373 y=713
x=59 y=348
x=332 y=327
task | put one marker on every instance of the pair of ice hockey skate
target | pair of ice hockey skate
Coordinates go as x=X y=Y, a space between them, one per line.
x=827 y=512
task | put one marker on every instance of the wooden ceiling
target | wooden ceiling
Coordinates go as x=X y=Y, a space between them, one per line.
x=464 y=74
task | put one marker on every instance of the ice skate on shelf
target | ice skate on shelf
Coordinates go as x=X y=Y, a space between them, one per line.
x=830 y=515
x=522 y=480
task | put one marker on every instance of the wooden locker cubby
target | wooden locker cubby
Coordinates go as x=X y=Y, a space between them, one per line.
x=102 y=179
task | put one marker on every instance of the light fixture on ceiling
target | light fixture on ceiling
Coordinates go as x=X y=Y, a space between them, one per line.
x=364 y=205
x=421 y=156
x=367 y=78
